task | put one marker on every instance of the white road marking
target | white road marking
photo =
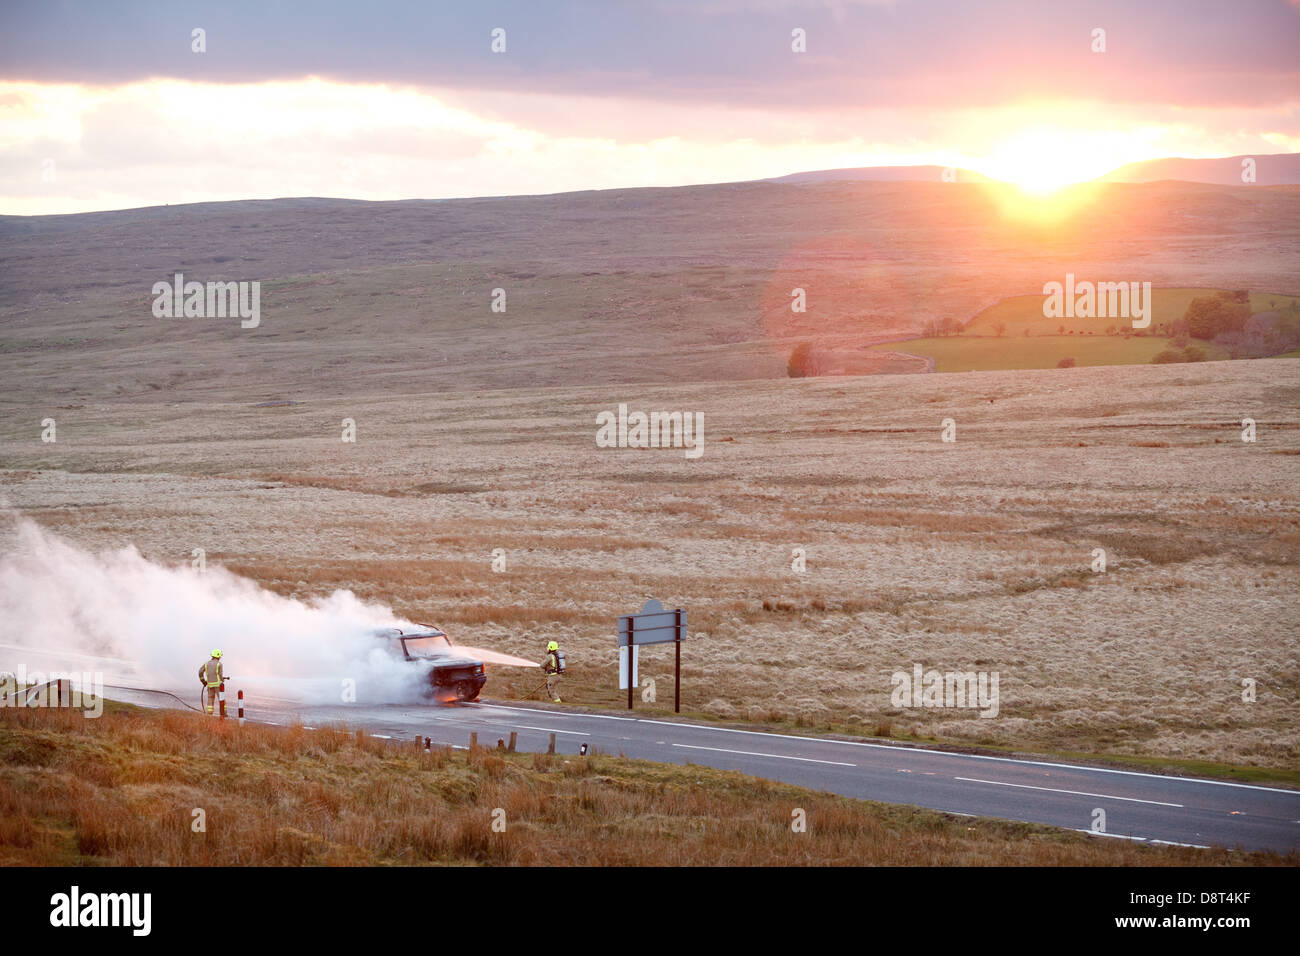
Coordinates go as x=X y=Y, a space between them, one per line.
x=555 y=713
x=1199 y=846
x=751 y=753
x=1077 y=793
x=577 y=733
x=382 y=736
x=282 y=700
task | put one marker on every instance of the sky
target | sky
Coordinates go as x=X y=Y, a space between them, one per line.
x=112 y=104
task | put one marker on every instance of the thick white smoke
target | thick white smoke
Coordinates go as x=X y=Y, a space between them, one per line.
x=146 y=625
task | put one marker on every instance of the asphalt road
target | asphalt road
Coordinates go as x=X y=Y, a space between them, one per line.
x=1139 y=806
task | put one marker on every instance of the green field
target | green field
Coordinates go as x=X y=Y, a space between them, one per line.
x=986 y=353
x=1022 y=312
x=1033 y=341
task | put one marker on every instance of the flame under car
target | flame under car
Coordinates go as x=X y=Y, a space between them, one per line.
x=451 y=676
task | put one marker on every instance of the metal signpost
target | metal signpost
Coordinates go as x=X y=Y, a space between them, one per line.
x=653 y=625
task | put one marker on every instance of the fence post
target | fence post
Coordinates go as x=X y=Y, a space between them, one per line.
x=513 y=736
x=550 y=748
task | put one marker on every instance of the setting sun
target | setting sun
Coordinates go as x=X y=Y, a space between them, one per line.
x=1042 y=160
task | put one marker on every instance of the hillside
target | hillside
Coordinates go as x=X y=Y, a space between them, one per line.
x=685 y=284
x=881 y=174
x=1278 y=169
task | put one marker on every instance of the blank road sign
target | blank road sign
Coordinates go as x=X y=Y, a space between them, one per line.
x=653 y=625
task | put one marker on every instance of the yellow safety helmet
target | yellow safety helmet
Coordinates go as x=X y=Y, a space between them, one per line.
x=216 y=652
x=552 y=646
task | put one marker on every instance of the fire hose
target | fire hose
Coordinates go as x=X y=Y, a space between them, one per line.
x=199 y=709
x=150 y=690
x=533 y=691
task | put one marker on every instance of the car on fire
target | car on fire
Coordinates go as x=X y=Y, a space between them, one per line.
x=451 y=676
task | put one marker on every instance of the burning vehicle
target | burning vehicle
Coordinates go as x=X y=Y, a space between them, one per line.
x=451 y=676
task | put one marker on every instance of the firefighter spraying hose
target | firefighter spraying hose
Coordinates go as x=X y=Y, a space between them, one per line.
x=212 y=677
x=553 y=667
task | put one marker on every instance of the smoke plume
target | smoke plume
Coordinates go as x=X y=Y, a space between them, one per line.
x=144 y=624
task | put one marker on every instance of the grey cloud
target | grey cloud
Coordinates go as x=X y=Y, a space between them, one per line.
x=946 y=53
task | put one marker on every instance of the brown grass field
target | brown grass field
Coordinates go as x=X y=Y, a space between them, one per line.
x=123 y=790
x=974 y=555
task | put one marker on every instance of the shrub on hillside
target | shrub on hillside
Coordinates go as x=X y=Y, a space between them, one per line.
x=1067 y=362
x=1190 y=354
x=803 y=363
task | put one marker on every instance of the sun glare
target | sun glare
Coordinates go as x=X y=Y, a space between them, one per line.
x=1044 y=207
x=1043 y=160
x=1046 y=174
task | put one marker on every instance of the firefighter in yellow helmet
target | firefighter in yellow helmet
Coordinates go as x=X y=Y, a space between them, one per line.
x=553 y=667
x=212 y=676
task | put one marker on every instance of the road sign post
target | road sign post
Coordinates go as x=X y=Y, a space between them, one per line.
x=653 y=625
x=677 y=666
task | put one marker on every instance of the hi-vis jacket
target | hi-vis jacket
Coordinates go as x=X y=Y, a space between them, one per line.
x=211 y=673
x=552 y=665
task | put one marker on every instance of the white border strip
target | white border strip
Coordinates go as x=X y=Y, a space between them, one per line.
x=750 y=753
x=1076 y=793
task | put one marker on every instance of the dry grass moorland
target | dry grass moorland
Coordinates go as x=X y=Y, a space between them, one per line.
x=475 y=431
x=971 y=555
